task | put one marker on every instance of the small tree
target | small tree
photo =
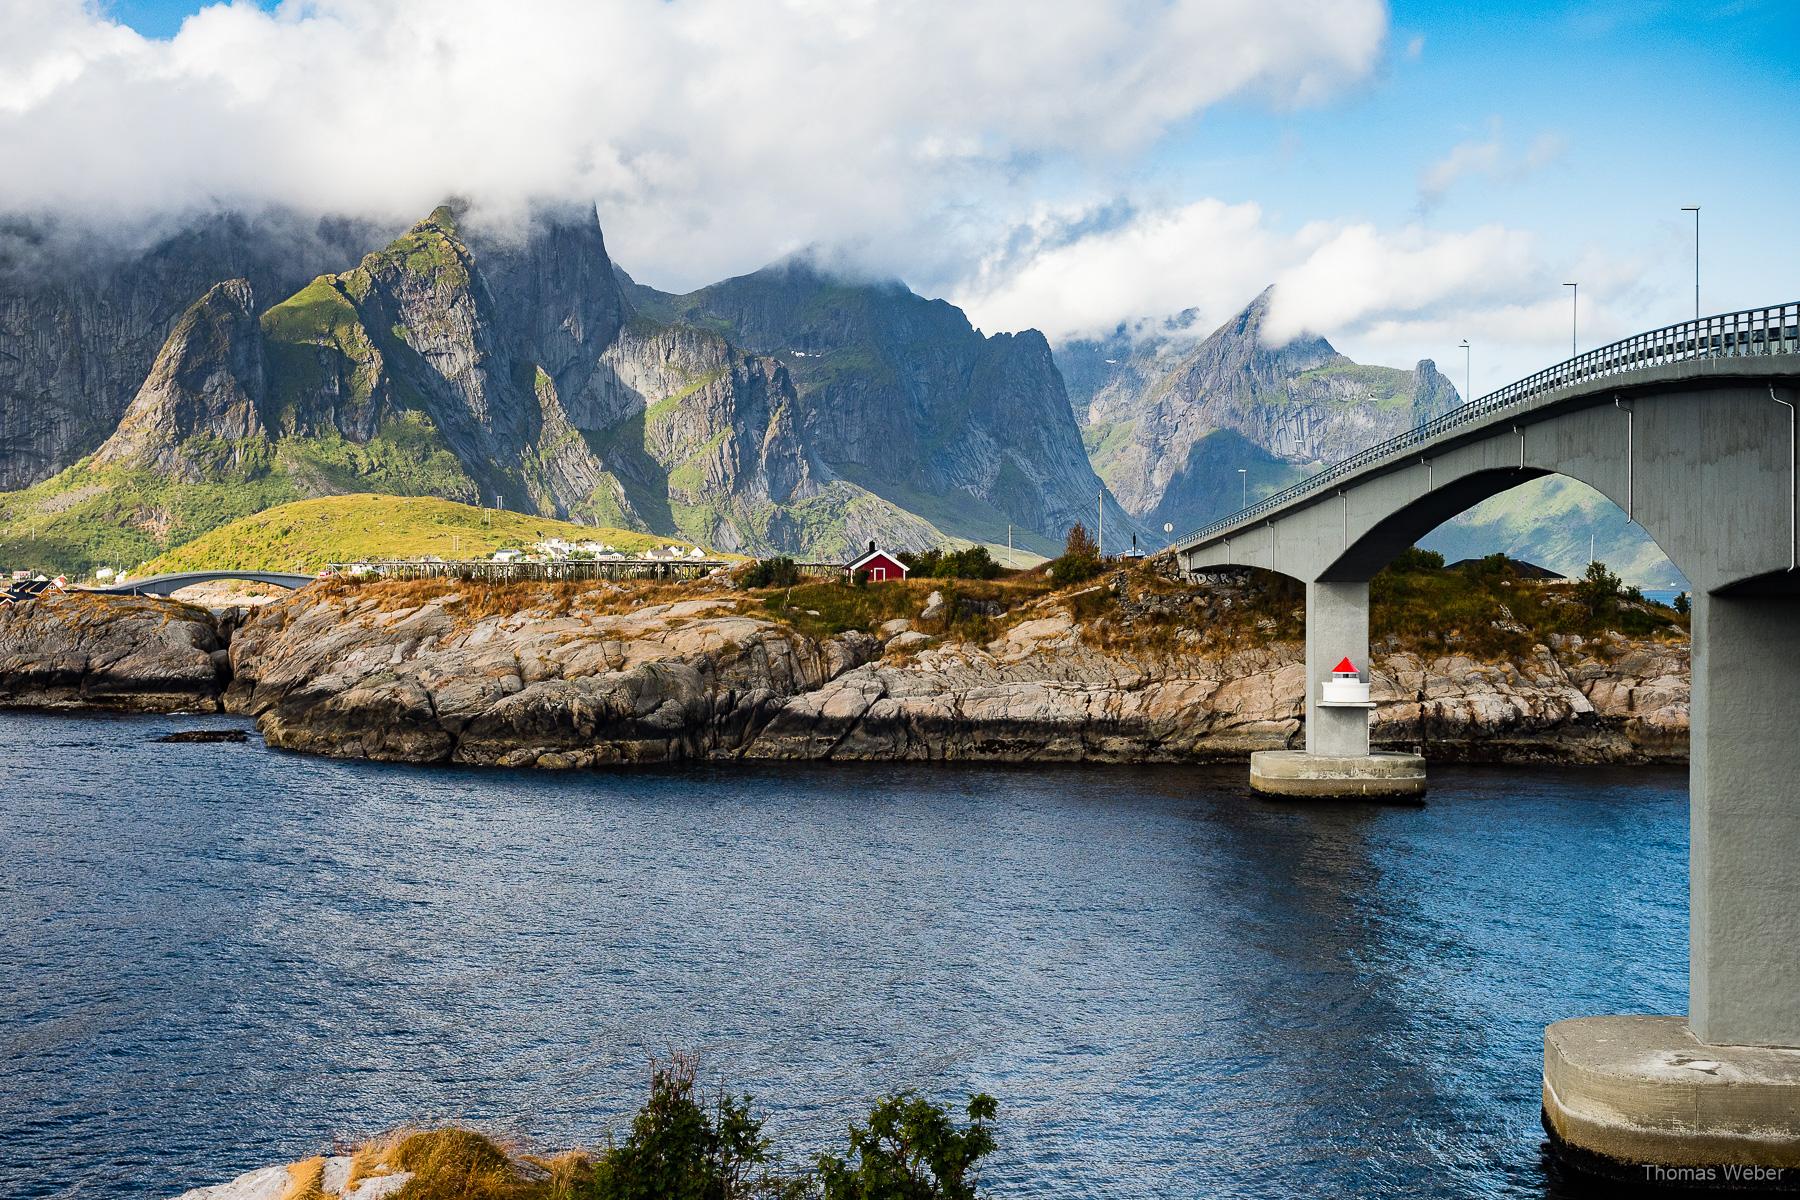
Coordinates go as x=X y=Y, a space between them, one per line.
x=911 y=1149
x=1598 y=591
x=1682 y=604
x=1080 y=559
x=678 y=1150
x=1080 y=543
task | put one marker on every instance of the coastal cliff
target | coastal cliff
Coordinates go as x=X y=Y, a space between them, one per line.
x=121 y=652
x=574 y=676
x=584 y=677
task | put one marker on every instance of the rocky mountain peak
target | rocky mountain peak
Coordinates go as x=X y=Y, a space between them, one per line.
x=1170 y=424
x=205 y=393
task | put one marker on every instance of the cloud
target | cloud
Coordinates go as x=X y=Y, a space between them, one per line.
x=1212 y=256
x=1381 y=295
x=1486 y=157
x=714 y=134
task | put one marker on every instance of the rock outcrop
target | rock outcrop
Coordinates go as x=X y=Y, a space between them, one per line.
x=599 y=677
x=1042 y=693
x=575 y=686
x=327 y=1178
x=125 y=652
x=206 y=390
x=342 y=675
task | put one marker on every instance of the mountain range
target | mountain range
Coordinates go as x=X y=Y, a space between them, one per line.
x=148 y=397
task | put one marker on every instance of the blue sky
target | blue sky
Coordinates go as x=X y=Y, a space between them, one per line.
x=1457 y=163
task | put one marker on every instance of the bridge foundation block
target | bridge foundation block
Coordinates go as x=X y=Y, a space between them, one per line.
x=1301 y=774
x=1640 y=1100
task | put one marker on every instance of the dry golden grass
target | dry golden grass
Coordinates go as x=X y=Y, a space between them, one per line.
x=460 y=1164
x=306 y=1180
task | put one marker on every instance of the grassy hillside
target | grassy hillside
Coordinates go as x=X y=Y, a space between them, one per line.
x=307 y=534
x=1549 y=521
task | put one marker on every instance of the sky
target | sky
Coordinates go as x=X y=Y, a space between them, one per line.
x=1408 y=176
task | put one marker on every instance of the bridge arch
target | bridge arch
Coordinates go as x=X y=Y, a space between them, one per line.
x=172 y=582
x=1706 y=466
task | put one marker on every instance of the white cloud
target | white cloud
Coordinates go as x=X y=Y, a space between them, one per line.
x=1213 y=256
x=1486 y=157
x=1381 y=295
x=715 y=134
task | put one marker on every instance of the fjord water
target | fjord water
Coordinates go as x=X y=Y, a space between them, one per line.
x=215 y=957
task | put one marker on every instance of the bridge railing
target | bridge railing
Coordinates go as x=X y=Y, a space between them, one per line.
x=1753 y=332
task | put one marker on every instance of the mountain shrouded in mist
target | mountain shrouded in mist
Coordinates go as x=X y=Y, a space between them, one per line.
x=785 y=411
x=1170 y=419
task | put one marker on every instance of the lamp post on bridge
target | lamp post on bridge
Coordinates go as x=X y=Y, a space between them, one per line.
x=1243 y=488
x=1574 y=313
x=1468 y=370
x=1695 y=209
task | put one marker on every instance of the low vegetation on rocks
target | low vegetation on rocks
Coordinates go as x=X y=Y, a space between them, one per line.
x=681 y=1145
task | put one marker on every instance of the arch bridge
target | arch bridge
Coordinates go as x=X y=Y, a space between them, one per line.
x=169 y=584
x=1692 y=430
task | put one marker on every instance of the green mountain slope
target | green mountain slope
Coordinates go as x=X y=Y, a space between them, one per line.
x=306 y=535
x=1550 y=522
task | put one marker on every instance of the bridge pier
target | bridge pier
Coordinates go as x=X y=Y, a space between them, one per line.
x=1714 y=1099
x=1337 y=761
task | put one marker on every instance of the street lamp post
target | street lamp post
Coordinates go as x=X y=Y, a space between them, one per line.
x=1695 y=209
x=1574 y=313
x=1468 y=371
x=1243 y=488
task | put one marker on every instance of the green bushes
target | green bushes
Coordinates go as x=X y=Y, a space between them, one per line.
x=1485 y=608
x=682 y=1146
x=780 y=571
x=974 y=562
x=911 y=1148
x=681 y=1149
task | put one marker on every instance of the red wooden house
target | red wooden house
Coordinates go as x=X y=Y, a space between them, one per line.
x=879 y=565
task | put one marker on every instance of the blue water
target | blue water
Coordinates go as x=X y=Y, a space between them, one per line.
x=213 y=957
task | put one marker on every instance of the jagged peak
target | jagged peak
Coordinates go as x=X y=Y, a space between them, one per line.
x=1248 y=325
x=445 y=218
x=238 y=293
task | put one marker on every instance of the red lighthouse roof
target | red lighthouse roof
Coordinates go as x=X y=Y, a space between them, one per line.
x=1344 y=667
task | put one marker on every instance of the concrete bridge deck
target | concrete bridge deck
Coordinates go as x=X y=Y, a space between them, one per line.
x=172 y=582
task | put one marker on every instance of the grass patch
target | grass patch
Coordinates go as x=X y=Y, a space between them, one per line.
x=307 y=534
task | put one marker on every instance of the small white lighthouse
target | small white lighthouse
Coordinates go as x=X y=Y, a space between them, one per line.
x=1345 y=687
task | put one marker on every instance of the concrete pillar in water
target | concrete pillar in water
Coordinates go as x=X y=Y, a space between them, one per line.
x=1744 y=822
x=1336 y=761
x=1713 y=1099
x=1337 y=627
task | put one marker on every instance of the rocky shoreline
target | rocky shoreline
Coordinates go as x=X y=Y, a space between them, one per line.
x=600 y=678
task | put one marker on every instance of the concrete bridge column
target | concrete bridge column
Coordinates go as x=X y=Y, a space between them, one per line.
x=1713 y=1099
x=1337 y=627
x=1337 y=761
x=1744 y=815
